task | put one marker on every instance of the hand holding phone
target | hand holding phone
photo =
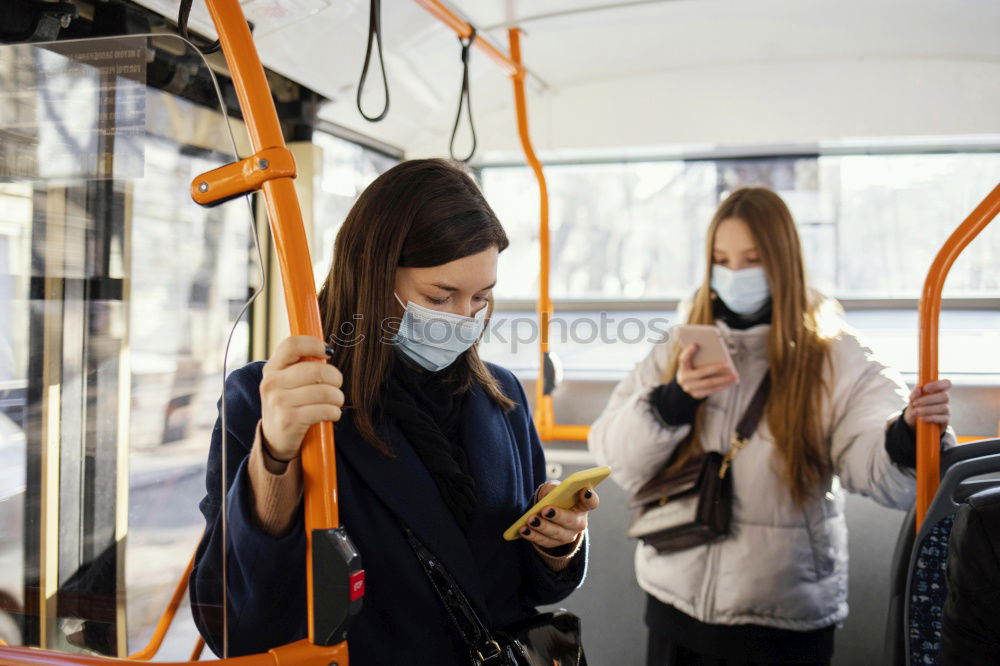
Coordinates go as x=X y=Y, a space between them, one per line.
x=704 y=366
x=564 y=496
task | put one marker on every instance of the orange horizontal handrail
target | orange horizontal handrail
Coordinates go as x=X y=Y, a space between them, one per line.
x=558 y=431
x=301 y=653
x=464 y=30
x=929 y=434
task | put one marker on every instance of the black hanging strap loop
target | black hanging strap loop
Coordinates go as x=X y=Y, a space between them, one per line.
x=374 y=33
x=465 y=98
x=182 y=27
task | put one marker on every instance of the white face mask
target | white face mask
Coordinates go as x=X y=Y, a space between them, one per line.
x=433 y=339
x=744 y=291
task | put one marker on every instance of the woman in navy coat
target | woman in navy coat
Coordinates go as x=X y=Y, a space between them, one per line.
x=428 y=438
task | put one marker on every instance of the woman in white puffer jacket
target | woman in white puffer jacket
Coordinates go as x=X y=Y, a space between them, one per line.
x=772 y=591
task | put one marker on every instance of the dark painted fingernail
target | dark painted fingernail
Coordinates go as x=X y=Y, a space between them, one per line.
x=525 y=531
x=551 y=513
x=535 y=522
x=589 y=494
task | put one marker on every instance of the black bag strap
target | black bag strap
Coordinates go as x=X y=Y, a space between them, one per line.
x=747 y=424
x=751 y=417
x=483 y=649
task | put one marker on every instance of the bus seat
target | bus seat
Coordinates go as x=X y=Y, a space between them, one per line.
x=918 y=588
x=970 y=624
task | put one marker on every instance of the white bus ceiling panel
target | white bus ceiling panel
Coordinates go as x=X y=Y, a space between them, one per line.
x=658 y=73
x=117 y=293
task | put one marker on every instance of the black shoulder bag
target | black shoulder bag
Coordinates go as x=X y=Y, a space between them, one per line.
x=540 y=640
x=693 y=505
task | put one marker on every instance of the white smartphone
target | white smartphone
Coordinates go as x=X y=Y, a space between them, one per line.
x=711 y=347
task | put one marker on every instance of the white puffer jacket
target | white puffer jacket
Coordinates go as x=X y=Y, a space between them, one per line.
x=783 y=566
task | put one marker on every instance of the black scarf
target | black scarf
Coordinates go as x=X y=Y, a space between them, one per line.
x=429 y=412
x=737 y=321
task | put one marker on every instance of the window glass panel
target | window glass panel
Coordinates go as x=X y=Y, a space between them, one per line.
x=617 y=230
x=895 y=211
x=345 y=170
x=869 y=224
x=117 y=293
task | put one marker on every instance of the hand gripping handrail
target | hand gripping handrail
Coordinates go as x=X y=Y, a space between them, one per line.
x=548 y=429
x=929 y=434
x=285 y=217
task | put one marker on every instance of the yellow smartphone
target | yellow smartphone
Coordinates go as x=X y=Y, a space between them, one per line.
x=562 y=496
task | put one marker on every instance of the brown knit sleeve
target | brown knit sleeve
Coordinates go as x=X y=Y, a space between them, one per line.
x=276 y=488
x=560 y=562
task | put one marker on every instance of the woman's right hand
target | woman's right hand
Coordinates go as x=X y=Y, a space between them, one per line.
x=702 y=382
x=298 y=390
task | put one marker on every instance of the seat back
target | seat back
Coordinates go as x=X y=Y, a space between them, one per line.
x=926 y=580
x=903 y=627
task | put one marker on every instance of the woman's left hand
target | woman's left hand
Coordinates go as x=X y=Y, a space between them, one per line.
x=553 y=527
x=929 y=403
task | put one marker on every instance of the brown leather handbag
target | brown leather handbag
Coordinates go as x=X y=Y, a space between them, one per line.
x=691 y=505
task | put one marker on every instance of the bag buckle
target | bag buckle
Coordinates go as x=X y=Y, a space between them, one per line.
x=496 y=652
x=738 y=444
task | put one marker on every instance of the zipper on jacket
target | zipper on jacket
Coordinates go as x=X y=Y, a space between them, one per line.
x=713 y=580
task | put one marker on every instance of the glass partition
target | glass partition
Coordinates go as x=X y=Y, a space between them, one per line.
x=117 y=293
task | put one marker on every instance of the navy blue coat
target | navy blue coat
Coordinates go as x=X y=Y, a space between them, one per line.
x=402 y=621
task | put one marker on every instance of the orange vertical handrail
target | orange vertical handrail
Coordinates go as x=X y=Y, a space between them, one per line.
x=544 y=412
x=545 y=419
x=929 y=434
x=291 y=247
x=545 y=423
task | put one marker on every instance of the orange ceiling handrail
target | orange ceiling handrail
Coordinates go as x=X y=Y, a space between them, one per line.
x=929 y=434
x=464 y=30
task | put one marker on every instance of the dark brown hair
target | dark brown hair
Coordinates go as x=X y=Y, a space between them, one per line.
x=802 y=324
x=420 y=213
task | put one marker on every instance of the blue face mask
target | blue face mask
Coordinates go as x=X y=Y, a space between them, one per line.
x=744 y=291
x=433 y=339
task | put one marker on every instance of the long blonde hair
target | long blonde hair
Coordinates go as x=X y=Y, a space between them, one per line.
x=798 y=344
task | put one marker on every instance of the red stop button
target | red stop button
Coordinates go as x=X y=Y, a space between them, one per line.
x=357 y=585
